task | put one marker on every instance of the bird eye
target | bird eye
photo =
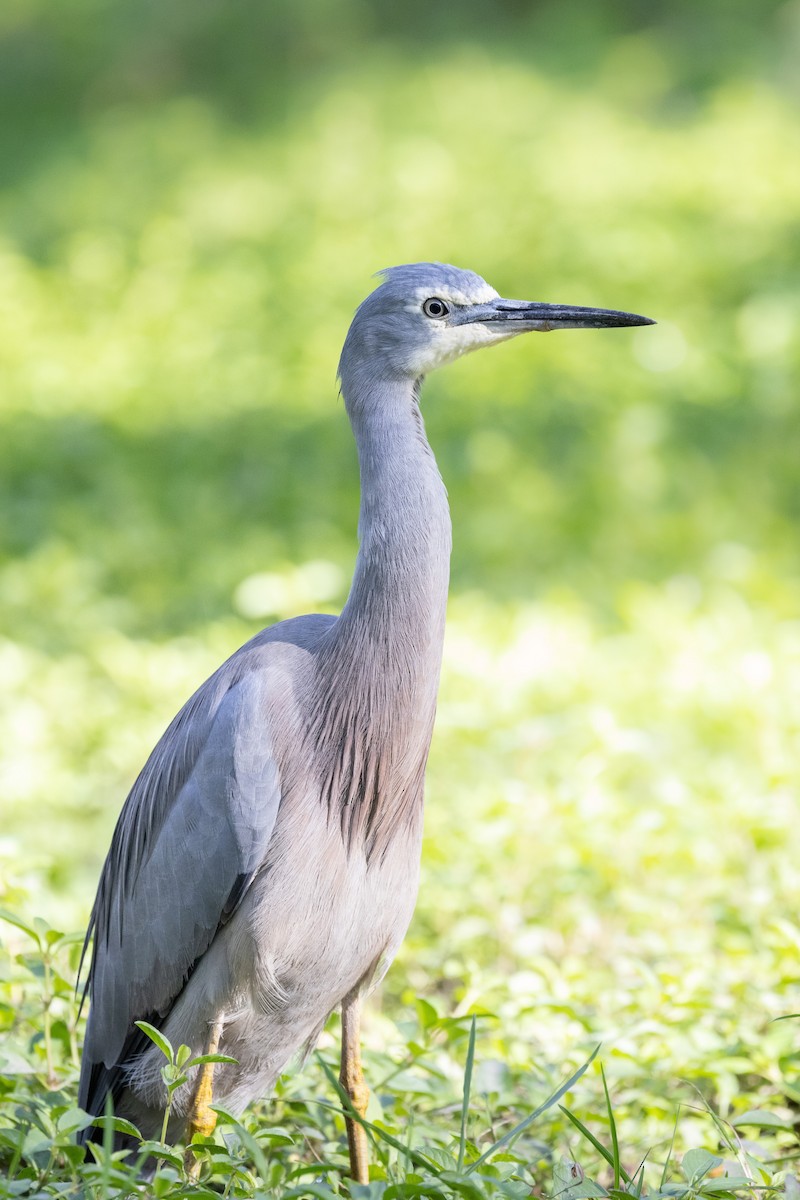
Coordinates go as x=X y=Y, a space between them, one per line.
x=436 y=308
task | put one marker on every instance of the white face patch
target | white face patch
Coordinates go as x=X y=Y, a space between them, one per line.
x=448 y=342
x=480 y=295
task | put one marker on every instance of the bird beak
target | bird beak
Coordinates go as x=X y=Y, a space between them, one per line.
x=521 y=316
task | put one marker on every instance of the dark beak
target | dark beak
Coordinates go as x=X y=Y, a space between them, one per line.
x=520 y=316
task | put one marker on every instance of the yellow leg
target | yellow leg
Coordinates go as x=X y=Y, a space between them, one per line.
x=202 y=1119
x=351 y=1078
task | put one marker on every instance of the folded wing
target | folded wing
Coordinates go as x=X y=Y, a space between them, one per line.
x=191 y=837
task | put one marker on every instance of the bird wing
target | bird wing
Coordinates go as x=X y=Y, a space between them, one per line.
x=192 y=834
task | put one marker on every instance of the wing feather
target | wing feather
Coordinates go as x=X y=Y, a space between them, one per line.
x=191 y=836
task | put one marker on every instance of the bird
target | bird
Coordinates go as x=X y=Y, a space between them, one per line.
x=264 y=867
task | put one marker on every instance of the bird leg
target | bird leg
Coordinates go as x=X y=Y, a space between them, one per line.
x=351 y=1078
x=202 y=1118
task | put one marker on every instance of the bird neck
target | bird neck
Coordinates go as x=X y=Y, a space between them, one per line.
x=378 y=671
x=399 y=591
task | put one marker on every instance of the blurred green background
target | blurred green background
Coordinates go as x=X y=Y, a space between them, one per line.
x=193 y=199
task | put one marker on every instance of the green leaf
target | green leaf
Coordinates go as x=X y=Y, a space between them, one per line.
x=74 y=1119
x=118 y=1124
x=725 y=1183
x=426 y=1013
x=463 y=1185
x=412 y=1083
x=375 y=1190
x=173 y=1077
x=320 y=1190
x=210 y=1058
x=247 y=1140
x=19 y=1187
x=156 y=1036
x=760 y=1172
x=570 y=1183
x=160 y=1150
x=11 y=919
x=69 y=939
x=182 y=1055
x=697 y=1163
x=762 y=1118
x=407 y=1190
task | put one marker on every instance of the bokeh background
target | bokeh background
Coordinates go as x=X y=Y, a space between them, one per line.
x=193 y=199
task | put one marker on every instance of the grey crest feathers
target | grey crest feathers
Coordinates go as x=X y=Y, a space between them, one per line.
x=433 y=277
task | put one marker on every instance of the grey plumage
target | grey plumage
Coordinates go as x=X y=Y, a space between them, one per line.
x=265 y=864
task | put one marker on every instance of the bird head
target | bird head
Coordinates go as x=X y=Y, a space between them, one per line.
x=424 y=315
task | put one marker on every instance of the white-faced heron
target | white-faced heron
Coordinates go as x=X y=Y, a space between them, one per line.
x=264 y=867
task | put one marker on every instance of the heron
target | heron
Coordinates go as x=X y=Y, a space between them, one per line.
x=264 y=868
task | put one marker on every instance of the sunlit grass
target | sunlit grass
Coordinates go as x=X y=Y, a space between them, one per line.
x=611 y=858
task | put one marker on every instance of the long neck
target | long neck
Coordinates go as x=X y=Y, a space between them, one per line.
x=380 y=668
x=399 y=590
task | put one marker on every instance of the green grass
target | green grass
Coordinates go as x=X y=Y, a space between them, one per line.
x=578 y=889
x=192 y=201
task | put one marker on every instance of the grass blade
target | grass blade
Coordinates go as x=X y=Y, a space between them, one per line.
x=552 y=1099
x=613 y=1128
x=638 y=1177
x=375 y=1132
x=669 y=1152
x=602 y=1150
x=462 y=1142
